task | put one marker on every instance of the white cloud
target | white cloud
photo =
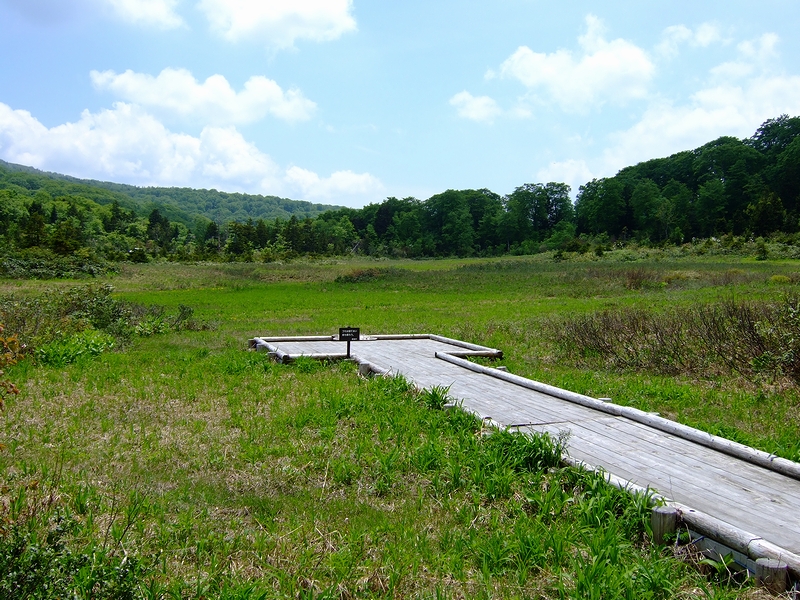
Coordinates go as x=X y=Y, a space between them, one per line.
x=676 y=35
x=159 y=13
x=754 y=55
x=280 y=22
x=615 y=71
x=729 y=109
x=475 y=108
x=177 y=91
x=737 y=97
x=341 y=184
x=573 y=172
x=126 y=144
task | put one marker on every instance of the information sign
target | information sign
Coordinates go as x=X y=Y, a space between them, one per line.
x=349 y=334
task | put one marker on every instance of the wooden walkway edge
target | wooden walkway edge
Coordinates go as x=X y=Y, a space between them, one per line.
x=744 y=498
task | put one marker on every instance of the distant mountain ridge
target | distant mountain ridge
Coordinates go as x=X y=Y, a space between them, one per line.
x=179 y=204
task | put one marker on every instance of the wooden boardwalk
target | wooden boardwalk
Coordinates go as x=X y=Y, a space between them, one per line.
x=742 y=497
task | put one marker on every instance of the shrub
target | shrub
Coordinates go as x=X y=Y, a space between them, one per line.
x=68 y=350
x=361 y=275
x=38 y=263
x=780 y=279
x=57 y=315
x=41 y=555
x=743 y=337
x=9 y=350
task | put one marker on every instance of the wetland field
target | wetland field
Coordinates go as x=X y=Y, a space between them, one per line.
x=149 y=455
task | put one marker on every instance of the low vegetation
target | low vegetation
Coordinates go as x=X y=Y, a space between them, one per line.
x=749 y=338
x=174 y=464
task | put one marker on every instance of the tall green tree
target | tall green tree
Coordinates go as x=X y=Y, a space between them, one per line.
x=600 y=207
x=450 y=222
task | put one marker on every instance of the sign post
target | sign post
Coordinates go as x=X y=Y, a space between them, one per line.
x=349 y=334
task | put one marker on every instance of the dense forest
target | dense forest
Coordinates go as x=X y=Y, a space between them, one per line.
x=184 y=205
x=729 y=187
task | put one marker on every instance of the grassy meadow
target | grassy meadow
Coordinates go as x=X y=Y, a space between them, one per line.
x=178 y=465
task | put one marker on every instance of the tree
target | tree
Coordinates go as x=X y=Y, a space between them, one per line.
x=67 y=237
x=450 y=222
x=644 y=202
x=775 y=135
x=33 y=233
x=600 y=207
x=787 y=176
x=711 y=204
x=160 y=230
x=486 y=209
x=766 y=215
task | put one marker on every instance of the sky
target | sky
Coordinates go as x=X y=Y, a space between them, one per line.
x=347 y=102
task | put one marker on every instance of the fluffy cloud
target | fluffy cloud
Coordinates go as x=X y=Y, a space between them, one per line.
x=341 y=184
x=572 y=172
x=160 y=13
x=280 y=22
x=176 y=90
x=616 y=71
x=753 y=55
x=673 y=37
x=727 y=109
x=127 y=144
x=480 y=108
x=738 y=97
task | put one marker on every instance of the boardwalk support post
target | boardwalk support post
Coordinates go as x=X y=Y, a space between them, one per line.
x=364 y=369
x=772 y=574
x=664 y=521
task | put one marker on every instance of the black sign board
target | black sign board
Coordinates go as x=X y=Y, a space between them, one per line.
x=349 y=334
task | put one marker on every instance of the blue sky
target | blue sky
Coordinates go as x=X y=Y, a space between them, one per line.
x=348 y=102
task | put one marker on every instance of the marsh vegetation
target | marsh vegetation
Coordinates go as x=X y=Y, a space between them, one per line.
x=162 y=460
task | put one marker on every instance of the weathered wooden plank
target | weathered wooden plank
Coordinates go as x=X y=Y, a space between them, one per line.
x=764 y=459
x=730 y=482
x=662 y=463
x=769 y=483
x=699 y=491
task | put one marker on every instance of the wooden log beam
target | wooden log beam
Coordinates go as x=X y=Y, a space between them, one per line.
x=757 y=457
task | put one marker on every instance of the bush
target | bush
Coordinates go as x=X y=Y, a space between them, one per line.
x=742 y=337
x=68 y=350
x=41 y=556
x=9 y=350
x=361 y=275
x=38 y=263
x=63 y=325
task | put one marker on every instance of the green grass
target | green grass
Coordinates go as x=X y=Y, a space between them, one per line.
x=185 y=467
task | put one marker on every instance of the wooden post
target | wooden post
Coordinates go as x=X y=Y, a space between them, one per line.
x=664 y=521
x=772 y=574
x=364 y=369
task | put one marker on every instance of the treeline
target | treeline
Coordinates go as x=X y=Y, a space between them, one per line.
x=747 y=188
x=729 y=187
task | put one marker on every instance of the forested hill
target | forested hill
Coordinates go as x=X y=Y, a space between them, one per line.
x=730 y=189
x=743 y=187
x=183 y=205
